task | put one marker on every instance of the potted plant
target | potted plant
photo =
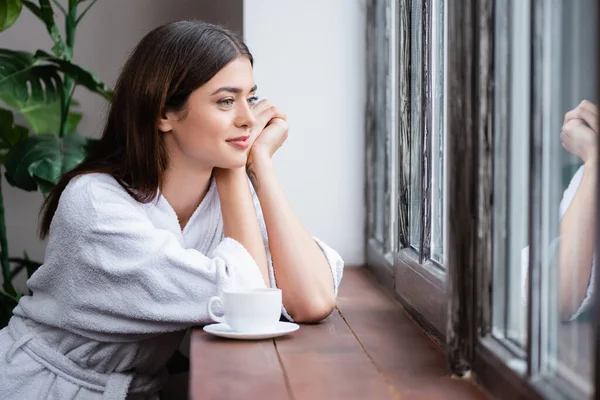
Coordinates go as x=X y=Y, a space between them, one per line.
x=39 y=89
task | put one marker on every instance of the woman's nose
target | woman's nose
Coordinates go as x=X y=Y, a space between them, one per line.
x=246 y=117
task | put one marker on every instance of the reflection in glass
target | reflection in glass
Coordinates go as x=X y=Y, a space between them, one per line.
x=570 y=150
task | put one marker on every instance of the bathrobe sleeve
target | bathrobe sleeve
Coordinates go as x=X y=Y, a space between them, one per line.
x=336 y=264
x=108 y=269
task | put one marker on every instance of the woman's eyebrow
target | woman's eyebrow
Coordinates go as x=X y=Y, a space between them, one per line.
x=234 y=90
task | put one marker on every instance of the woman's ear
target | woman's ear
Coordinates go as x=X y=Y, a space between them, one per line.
x=165 y=123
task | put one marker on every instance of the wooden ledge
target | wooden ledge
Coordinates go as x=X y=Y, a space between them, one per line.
x=369 y=348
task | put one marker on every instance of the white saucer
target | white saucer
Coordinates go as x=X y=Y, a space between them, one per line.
x=224 y=330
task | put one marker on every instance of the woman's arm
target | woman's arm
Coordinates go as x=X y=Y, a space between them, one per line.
x=577 y=233
x=239 y=216
x=300 y=267
x=577 y=227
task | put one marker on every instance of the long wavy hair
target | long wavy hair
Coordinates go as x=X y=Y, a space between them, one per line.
x=166 y=66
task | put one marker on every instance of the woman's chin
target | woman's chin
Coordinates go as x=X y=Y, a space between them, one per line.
x=234 y=162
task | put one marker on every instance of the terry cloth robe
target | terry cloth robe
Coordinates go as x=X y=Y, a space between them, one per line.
x=120 y=284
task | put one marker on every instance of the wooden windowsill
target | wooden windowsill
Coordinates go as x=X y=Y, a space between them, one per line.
x=369 y=348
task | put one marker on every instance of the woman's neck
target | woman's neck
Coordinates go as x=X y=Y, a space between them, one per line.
x=184 y=188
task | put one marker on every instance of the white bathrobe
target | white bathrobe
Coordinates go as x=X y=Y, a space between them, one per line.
x=120 y=284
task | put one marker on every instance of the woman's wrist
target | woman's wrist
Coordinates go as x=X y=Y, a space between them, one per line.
x=258 y=163
x=258 y=159
x=591 y=162
x=229 y=176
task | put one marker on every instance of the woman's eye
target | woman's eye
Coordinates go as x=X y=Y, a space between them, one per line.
x=252 y=100
x=226 y=102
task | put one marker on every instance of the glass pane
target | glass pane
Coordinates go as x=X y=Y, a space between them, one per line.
x=511 y=169
x=381 y=170
x=569 y=202
x=415 y=126
x=438 y=61
x=392 y=125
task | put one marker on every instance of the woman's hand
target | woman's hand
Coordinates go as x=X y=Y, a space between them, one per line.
x=270 y=130
x=579 y=133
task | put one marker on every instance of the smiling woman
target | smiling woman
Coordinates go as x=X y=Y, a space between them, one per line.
x=177 y=203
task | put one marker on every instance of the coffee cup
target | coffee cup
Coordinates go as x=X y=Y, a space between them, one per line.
x=248 y=310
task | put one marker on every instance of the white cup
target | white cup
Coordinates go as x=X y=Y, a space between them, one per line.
x=248 y=310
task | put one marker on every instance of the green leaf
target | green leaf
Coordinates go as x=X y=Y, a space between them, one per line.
x=10 y=133
x=45 y=118
x=9 y=12
x=41 y=160
x=61 y=49
x=8 y=302
x=26 y=84
x=34 y=8
x=48 y=18
x=5 y=313
x=46 y=14
x=45 y=187
x=6 y=297
x=80 y=75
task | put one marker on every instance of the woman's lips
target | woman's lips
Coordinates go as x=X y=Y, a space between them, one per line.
x=240 y=142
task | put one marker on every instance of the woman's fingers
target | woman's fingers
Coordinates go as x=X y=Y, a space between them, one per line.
x=572 y=126
x=578 y=138
x=585 y=111
x=588 y=105
x=261 y=106
x=264 y=113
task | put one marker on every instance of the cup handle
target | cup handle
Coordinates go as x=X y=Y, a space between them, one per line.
x=210 y=312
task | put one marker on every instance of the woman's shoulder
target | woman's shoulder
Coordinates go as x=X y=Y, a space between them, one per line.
x=88 y=191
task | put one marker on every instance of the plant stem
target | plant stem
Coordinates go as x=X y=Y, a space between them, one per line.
x=71 y=24
x=65 y=104
x=60 y=7
x=6 y=275
x=85 y=11
x=69 y=87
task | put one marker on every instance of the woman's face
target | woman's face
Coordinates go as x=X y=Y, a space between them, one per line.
x=213 y=129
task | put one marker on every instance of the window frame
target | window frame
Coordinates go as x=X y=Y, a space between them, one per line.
x=455 y=307
x=417 y=281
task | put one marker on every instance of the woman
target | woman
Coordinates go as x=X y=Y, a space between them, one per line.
x=159 y=218
x=575 y=261
x=578 y=211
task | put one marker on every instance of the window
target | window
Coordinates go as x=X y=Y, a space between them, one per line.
x=561 y=256
x=405 y=155
x=482 y=179
x=520 y=269
x=438 y=131
x=512 y=116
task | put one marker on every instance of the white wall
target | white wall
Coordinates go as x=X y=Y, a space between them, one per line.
x=310 y=62
x=105 y=37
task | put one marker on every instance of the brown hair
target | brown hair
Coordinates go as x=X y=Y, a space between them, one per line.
x=166 y=66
